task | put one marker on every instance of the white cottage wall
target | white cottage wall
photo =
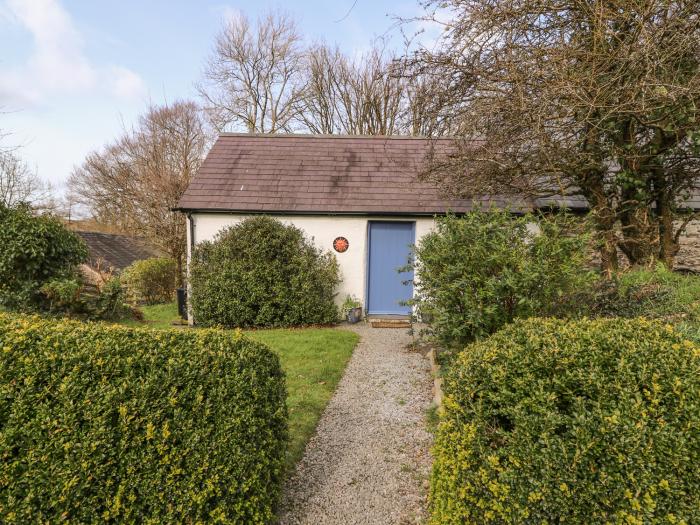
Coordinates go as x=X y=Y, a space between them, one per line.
x=323 y=229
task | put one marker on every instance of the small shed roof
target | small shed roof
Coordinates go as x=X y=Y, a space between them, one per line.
x=321 y=174
x=115 y=251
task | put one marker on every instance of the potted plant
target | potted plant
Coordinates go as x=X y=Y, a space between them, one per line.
x=352 y=309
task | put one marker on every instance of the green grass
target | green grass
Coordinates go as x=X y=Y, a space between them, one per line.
x=156 y=316
x=679 y=297
x=313 y=358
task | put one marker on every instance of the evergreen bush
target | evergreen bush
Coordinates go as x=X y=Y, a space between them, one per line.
x=33 y=251
x=478 y=272
x=579 y=422
x=151 y=281
x=102 y=423
x=262 y=273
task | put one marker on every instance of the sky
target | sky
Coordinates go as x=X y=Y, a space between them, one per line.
x=75 y=73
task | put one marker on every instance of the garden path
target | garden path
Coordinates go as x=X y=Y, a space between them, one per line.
x=369 y=461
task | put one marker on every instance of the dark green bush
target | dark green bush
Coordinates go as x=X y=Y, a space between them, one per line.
x=33 y=251
x=102 y=423
x=262 y=273
x=478 y=272
x=580 y=422
x=151 y=281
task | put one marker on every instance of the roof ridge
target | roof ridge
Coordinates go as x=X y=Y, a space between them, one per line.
x=331 y=136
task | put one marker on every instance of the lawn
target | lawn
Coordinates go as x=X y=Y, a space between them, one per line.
x=313 y=358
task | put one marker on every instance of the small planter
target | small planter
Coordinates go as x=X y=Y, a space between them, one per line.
x=354 y=315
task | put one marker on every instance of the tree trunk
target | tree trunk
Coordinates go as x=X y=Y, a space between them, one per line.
x=609 y=263
x=668 y=246
x=640 y=240
x=180 y=262
x=604 y=222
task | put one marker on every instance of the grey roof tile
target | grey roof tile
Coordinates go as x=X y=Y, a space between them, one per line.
x=320 y=174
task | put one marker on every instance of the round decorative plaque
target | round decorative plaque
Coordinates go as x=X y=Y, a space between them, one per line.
x=340 y=244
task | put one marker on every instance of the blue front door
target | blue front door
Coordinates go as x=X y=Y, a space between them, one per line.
x=389 y=249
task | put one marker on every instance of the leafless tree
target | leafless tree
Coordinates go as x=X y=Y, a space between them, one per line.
x=427 y=111
x=252 y=81
x=319 y=105
x=19 y=183
x=584 y=99
x=362 y=96
x=135 y=182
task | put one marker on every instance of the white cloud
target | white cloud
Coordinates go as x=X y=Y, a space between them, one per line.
x=124 y=82
x=225 y=13
x=230 y=14
x=57 y=63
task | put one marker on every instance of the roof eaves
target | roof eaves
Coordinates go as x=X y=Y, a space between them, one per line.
x=359 y=213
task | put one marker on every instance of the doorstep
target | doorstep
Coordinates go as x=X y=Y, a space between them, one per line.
x=389 y=321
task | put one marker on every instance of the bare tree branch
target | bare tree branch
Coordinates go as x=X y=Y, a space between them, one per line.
x=135 y=182
x=252 y=81
x=595 y=100
x=20 y=184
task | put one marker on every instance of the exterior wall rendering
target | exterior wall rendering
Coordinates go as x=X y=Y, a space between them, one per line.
x=323 y=229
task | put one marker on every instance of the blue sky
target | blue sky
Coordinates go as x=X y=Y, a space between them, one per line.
x=74 y=72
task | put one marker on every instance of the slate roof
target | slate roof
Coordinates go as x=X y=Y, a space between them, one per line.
x=322 y=174
x=115 y=251
x=333 y=174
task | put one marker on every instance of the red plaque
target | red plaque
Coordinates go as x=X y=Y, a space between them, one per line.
x=341 y=244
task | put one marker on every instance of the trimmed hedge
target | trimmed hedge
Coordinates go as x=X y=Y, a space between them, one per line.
x=585 y=422
x=105 y=423
x=262 y=273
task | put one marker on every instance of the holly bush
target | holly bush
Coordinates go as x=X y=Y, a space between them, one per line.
x=33 y=251
x=262 y=273
x=102 y=423
x=580 y=422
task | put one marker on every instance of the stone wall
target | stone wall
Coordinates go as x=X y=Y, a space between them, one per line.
x=688 y=257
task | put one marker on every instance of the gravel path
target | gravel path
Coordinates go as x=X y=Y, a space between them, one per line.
x=369 y=460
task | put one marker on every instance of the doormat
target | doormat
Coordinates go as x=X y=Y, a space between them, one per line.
x=390 y=323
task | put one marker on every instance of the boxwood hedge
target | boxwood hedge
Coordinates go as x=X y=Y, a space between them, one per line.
x=105 y=423
x=580 y=422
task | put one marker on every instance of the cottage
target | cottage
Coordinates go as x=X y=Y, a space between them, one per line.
x=357 y=196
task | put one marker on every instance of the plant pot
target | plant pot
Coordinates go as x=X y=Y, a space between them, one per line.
x=354 y=315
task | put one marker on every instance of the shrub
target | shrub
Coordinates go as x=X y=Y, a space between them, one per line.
x=586 y=422
x=110 y=302
x=33 y=251
x=262 y=273
x=151 y=281
x=478 y=272
x=655 y=293
x=105 y=423
x=75 y=298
